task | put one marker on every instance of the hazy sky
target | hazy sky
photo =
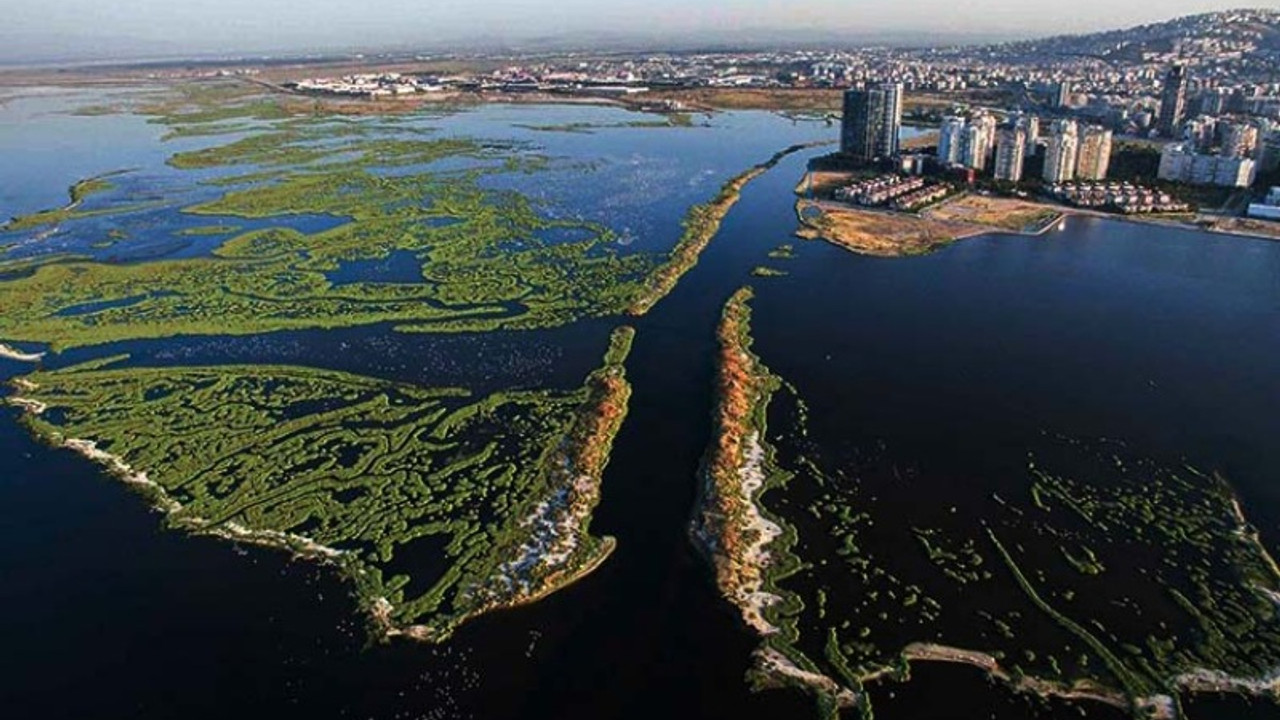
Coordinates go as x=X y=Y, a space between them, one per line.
x=229 y=25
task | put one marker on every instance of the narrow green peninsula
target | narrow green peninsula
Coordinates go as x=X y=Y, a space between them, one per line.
x=1095 y=575
x=436 y=505
x=77 y=194
x=750 y=548
x=701 y=224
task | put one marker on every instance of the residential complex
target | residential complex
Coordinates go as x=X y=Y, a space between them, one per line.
x=880 y=190
x=980 y=143
x=1120 y=197
x=967 y=142
x=1181 y=163
x=893 y=191
x=369 y=85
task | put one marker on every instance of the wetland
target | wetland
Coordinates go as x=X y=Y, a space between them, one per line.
x=525 y=411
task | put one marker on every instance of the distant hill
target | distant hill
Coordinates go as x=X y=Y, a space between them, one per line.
x=25 y=49
x=1255 y=32
x=1252 y=31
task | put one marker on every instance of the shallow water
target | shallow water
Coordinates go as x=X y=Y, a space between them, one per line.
x=1163 y=338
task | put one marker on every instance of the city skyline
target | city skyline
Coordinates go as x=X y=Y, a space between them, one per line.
x=79 y=28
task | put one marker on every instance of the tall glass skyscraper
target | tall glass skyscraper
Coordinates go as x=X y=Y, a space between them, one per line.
x=1173 y=101
x=872 y=121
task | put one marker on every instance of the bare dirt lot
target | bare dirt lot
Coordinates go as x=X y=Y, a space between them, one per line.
x=997 y=212
x=878 y=232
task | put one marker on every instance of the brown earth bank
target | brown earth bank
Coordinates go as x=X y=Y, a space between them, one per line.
x=881 y=233
x=725 y=508
x=1267 y=229
x=888 y=233
x=1020 y=216
x=742 y=544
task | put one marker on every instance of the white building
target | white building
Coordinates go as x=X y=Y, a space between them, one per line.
x=1179 y=163
x=1093 y=158
x=1030 y=125
x=951 y=141
x=967 y=142
x=1240 y=140
x=1201 y=132
x=981 y=142
x=1061 y=152
x=1268 y=209
x=1011 y=145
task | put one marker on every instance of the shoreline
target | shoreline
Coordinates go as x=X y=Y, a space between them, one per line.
x=9 y=352
x=701 y=224
x=76 y=195
x=554 y=551
x=1175 y=224
x=881 y=232
x=729 y=527
x=418 y=632
x=160 y=500
x=558 y=549
x=810 y=230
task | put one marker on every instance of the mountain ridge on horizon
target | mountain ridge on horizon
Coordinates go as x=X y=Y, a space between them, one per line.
x=124 y=50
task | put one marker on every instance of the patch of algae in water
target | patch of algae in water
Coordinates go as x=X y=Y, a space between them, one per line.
x=1102 y=576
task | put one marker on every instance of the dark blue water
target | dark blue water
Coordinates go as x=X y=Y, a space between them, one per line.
x=92 y=307
x=1157 y=336
x=398 y=267
x=482 y=362
x=1165 y=338
x=149 y=234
